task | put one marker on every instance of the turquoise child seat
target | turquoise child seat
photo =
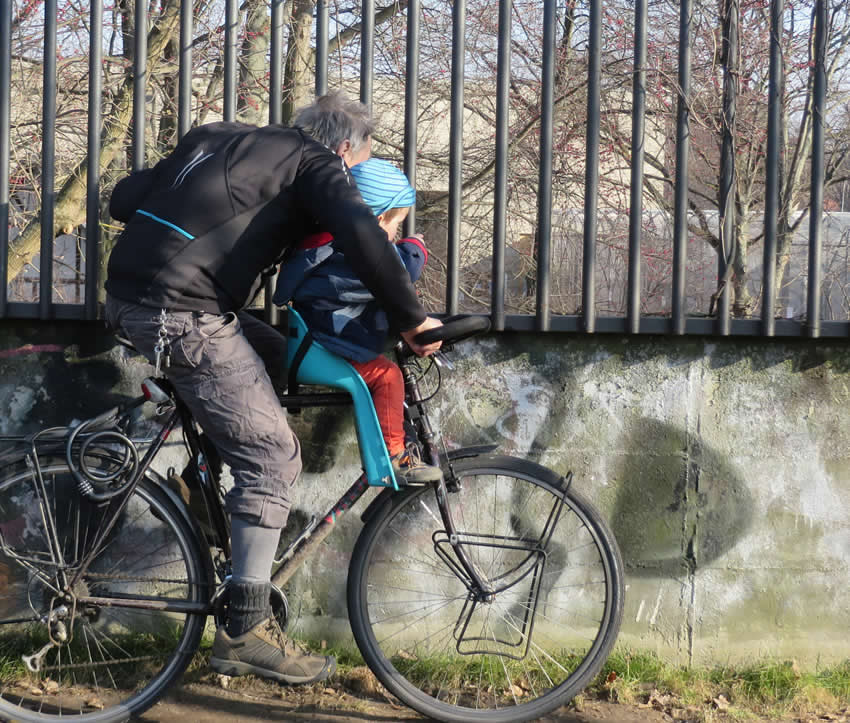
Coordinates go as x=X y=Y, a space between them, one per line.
x=317 y=365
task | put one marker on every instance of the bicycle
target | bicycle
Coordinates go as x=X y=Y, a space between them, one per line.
x=495 y=594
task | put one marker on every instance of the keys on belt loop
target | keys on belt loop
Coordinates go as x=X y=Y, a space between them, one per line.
x=162 y=349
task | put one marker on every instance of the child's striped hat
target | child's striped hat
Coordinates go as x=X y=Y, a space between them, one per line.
x=383 y=186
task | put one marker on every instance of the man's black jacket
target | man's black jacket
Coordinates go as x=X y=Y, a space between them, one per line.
x=205 y=223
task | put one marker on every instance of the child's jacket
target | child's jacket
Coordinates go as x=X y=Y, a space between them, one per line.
x=340 y=311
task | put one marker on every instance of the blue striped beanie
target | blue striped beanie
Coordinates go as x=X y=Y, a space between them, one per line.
x=383 y=186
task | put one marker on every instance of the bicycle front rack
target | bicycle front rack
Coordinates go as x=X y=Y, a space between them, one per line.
x=529 y=555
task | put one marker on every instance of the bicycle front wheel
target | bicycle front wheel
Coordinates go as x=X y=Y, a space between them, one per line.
x=109 y=621
x=529 y=645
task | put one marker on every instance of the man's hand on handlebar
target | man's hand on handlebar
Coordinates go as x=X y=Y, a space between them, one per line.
x=419 y=349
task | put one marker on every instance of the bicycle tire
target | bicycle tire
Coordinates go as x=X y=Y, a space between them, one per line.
x=400 y=589
x=117 y=661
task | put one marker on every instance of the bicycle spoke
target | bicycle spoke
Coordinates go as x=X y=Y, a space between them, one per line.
x=91 y=660
x=112 y=654
x=540 y=634
x=414 y=622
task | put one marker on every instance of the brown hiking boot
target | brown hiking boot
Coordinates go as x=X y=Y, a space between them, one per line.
x=265 y=651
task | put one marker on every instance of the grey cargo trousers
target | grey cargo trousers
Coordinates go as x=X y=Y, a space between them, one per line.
x=220 y=366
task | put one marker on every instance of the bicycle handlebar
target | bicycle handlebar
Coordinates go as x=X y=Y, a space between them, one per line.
x=455 y=329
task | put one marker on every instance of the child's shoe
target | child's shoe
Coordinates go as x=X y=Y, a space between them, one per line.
x=410 y=469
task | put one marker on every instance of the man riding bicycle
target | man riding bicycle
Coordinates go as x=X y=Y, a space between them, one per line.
x=204 y=228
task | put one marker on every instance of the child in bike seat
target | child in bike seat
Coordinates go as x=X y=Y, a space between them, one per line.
x=346 y=319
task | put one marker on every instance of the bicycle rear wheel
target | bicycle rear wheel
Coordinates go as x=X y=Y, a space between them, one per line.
x=103 y=660
x=537 y=641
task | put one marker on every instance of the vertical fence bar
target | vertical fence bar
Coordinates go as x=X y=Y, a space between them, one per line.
x=727 y=187
x=5 y=131
x=813 y=313
x=636 y=188
x=543 y=237
x=680 y=192
x=276 y=63
x=270 y=311
x=591 y=171
x=184 y=91
x=140 y=77
x=771 y=191
x=321 y=47
x=367 y=52
x=411 y=104
x=500 y=195
x=231 y=27
x=93 y=170
x=48 y=162
x=455 y=155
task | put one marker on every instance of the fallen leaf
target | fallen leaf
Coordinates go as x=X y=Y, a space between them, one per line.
x=721 y=702
x=95 y=703
x=658 y=701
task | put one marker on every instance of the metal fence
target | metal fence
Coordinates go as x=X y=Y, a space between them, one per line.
x=587 y=318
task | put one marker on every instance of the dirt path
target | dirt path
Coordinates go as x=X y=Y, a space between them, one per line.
x=206 y=697
x=205 y=703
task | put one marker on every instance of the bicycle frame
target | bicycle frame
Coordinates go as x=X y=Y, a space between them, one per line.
x=316 y=531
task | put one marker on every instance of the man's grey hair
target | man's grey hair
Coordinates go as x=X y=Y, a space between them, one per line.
x=333 y=118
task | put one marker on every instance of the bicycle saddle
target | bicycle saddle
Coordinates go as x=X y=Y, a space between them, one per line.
x=310 y=363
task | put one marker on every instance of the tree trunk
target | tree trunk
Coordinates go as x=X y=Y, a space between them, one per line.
x=253 y=103
x=70 y=209
x=298 y=78
x=166 y=136
x=741 y=300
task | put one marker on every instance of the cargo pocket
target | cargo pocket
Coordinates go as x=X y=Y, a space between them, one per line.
x=208 y=330
x=241 y=405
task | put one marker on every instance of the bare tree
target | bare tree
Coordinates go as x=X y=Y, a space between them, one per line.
x=480 y=105
x=162 y=53
x=750 y=132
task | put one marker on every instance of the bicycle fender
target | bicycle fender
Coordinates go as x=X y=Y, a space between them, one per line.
x=386 y=495
x=384 y=498
x=176 y=501
x=474 y=451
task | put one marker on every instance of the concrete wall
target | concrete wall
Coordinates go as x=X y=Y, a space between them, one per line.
x=721 y=465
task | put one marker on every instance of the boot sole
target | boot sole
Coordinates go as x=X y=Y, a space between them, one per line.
x=236 y=668
x=401 y=478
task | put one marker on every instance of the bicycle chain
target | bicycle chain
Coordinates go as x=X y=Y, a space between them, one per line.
x=93 y=664
x=135 y=578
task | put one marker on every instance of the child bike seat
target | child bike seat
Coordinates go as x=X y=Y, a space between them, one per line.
x=310 y=363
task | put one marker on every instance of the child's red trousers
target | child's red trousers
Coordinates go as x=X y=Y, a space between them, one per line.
x=384 y=380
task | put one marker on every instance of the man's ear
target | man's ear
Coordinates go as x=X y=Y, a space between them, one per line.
x=343 y=148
